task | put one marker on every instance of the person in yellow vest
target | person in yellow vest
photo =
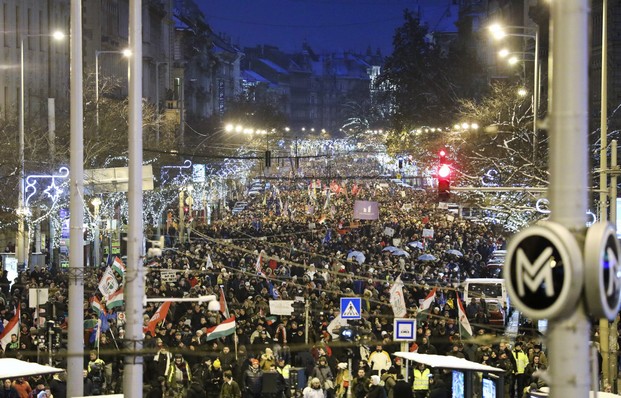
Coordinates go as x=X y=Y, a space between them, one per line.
x=284 y=370
x=521 y=361
x=179 y=376
x=421 y=381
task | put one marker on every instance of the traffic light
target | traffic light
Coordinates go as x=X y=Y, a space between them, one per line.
x=268 y=158
x=444 y=177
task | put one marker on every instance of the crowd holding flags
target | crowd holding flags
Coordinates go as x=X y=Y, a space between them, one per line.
x=158 y=317
x=10 y=328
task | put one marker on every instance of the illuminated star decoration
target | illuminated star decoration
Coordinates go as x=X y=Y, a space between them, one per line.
x=53 y=190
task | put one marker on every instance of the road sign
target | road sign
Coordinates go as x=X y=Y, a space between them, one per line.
x=602 y=271
x=404 y=329
x=351 y=307
x=544 y=271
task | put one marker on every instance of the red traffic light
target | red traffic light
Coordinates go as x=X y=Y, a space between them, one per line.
x=444 y=171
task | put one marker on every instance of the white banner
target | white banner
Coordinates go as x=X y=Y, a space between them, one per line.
x=389 y=231
x=168 y=275
x=427 y=233
x=281 y=307
x=108 y=283
x=396 y=298
x=37 y=297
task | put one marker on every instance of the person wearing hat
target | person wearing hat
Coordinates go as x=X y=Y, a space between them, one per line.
x=179 y=376
x=437 y=387
x=323 y=372
x=313 y=390
x=343 y=380
x=284 y=371
x=543 y=359
x=421 y=381
x=521 y=361
x=375 y=389
x=253 y=380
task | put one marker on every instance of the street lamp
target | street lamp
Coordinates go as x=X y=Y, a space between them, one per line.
x=21 y=238
x=126 y=53
x=498 y=32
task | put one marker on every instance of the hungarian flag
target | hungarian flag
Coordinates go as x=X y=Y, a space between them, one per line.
x=158 y=317
x=10 y=328
x=465 y=330
x=224 y=309
x=96 y=305
x=423 y=310
x=118 y=266
x=226 y=328
x=116 y=299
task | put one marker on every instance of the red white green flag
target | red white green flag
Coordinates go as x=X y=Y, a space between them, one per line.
x=465 y=330
x=226 y=328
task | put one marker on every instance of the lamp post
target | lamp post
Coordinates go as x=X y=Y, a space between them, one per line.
x=157 y=100
x=96 y=202
x=126 y=53
x=21 y=211
x=499 y=33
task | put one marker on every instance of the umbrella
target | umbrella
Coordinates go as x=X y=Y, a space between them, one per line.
x=356 y=255
x=416 y=245
x=391 y=249
x=427 y=257
x=400 y=252
x=455 y=252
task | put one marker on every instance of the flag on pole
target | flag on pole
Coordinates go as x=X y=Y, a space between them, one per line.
x=116 y=299
x=397 y=301
x=423 y=310
x=118 y=266
x=209 y=263
x=10 y=328
x=465 y=330
x=224 y=309
x=226 y=328
x=108 y=283
x=258 y=268
x=158 y=317
x=428 y=300
x=96 y=305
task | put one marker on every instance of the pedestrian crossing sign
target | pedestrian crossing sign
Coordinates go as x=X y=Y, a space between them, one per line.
x=351 y=307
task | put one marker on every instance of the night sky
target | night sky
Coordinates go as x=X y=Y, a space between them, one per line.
x=327 y=25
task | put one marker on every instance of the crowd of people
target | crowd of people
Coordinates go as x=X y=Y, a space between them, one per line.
x=294 y=242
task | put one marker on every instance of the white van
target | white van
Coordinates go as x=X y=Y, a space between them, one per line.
x=490 y=288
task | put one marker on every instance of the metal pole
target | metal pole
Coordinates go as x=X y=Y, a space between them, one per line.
x=51 y=125
x=181 y=215
x=75 y=362
x=613 y=345
x=603 y=175
x=97 y=88
x=569 y=338
x=306 y=320
x=132 y=381
x=157 y=105
x=535 y=94
x=21 y=229
x=613 y=182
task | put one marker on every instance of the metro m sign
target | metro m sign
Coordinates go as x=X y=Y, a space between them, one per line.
x=533 y=275
x=544 y=271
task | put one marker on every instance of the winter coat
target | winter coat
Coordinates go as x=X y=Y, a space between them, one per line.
x=253 y=380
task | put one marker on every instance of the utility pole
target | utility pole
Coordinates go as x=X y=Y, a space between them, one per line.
x=135 y=277
x=603 y=178
x=75 y=362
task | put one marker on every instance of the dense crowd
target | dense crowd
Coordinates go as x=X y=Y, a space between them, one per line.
x=293 y=242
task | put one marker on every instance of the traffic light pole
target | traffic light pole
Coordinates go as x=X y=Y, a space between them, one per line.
x=568 y=338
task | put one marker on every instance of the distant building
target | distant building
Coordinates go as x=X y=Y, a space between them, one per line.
x=311 y=89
